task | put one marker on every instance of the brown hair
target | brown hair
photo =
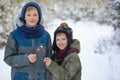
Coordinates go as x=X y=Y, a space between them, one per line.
x=30 y=8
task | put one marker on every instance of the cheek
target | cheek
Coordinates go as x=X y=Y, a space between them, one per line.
x=66 y=43
x=37 y=19
x=57 y=42
x=27 y=19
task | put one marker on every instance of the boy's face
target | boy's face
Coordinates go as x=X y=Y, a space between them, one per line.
x=61 y=41
x=31 y=17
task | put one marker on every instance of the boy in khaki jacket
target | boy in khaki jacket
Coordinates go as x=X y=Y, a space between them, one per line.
x=66 y=63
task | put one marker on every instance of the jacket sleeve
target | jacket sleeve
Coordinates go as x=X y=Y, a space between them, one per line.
x=49 y=48
x=65 y=72
x=49 y=54
x=11 y=56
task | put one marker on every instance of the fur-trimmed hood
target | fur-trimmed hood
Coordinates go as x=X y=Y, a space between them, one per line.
x=76 y=44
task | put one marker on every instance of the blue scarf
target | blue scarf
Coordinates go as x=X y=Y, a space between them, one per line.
x=31 y=32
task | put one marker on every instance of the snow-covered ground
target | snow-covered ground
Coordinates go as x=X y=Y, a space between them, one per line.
x=94 y=66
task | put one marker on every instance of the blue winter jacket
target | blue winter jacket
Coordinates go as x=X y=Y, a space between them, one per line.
x=18 y=48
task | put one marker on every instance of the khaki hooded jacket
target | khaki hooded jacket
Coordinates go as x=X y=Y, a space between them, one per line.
x=70 y=69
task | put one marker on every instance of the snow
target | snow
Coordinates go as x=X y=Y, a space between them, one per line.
x=4 y=68
x=94 y=66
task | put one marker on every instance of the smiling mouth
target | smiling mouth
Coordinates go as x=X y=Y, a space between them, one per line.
x=32 y=21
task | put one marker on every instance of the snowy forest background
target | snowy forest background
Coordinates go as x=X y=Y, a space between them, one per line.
x=103 y=12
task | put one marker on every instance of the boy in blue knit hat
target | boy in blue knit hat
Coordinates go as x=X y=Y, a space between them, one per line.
x=27 y=45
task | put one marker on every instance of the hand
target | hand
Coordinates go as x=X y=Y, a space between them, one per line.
x=47 y=61
x=32 y=58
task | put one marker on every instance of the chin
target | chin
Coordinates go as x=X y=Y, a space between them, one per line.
x=61 y=48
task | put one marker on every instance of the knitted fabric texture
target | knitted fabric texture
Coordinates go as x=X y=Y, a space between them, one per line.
x=61 y=54
x=31 y=32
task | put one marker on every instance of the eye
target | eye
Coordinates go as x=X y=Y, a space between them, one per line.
x=57 y=39
x=35 y=15
x=63 y=39
x=28 y=15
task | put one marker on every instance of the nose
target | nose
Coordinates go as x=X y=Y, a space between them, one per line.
x=32 y=18
x=60 y=42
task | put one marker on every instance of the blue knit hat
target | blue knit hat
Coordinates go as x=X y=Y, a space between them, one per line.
x=22 y=15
